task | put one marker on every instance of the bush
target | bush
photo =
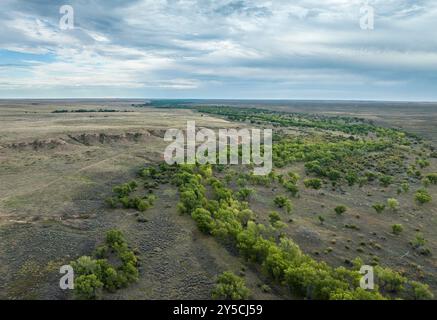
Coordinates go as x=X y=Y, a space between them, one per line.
x=419 y=241
x=421 y=291
x=115 y=238
x=422 y=196
x=290 y=186
x=230 y=287
x=283 y=202
x=294 y=177
x=244 y=193
x=397 y=228
x=432 y=177
x=340 y=210
x=203 y=219
x=390 y=280
x=274 y=217
x=385 y=181
x=313 y=183
x=393 y=204
x=379 y=207
x=405 y=186
x=87 y=287
x=125 y=189
x=93 y=275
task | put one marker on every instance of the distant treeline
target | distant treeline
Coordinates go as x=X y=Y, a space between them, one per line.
x=88 y=110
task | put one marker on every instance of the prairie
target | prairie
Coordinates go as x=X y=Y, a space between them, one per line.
x=57 y=169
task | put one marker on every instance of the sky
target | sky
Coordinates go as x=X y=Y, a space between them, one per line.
x=228 y=49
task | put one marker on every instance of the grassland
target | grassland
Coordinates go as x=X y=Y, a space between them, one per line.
x=57 y=169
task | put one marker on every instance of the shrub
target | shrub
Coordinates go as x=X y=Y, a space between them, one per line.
x=125 y=189
x=340 y=210
x=333 y=175
x=423 y=163
x=379 y=207
x=393 y=204
x=283 y=202
x=419 y=241
x=294 y=177
x=203 y=219
x=422 y=196
x=390 y=280
x=87 y=287
x=274 y=217
x=115 y=238
x=93 y=275
x=426 y=182
x=244 y=193
x=421 y=291
x=290 y=186
x=405 y=186
x=385 y=180
x=397 y=228
x=313 y=183
x=230 y=287
x=432 y=177
x=351 y=178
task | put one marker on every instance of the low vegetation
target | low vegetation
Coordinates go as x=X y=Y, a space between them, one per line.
x=96 y=274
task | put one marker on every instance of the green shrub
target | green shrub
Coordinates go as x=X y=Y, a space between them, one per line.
x=389 y=280
x=274 y=217
x=385 y=180
x=419 y=241
x=244 y=193
x=292 y=188
x=87 y=287
x=340 y=210
x=432 y=177
x=393 y=204
x=283 y=202
x=397 y=229
x=379 y=207
x=203 y=219
x=422 y=196
x=230 y=287
x=405 y=187
x=313 y=183
x=294 y=177
x=421 y=291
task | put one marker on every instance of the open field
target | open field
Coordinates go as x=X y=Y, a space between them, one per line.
x=57 y=169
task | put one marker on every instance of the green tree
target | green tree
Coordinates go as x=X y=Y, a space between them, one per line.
x=87 y=287
x=421 y=291
x=203 y=219
x=230 y=287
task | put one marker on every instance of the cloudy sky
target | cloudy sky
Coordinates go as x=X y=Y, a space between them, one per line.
x=277 y=49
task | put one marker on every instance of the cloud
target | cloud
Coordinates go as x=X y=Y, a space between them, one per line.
x=232 y=48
